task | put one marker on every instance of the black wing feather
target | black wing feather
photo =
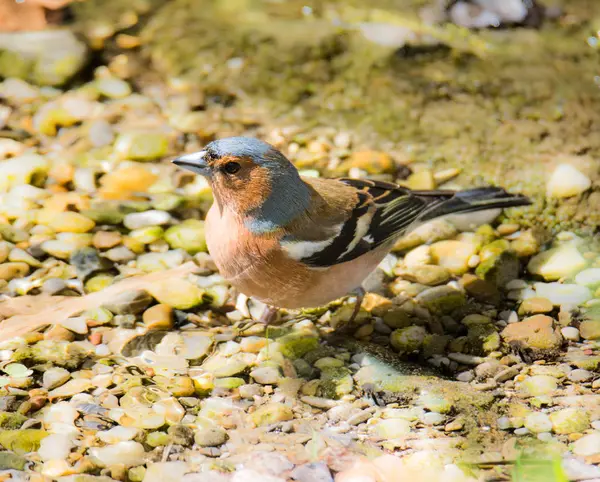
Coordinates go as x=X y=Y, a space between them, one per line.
x=396 y=210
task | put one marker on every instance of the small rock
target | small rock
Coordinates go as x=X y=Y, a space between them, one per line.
x=563 y=294
x=441 y=299
x=210 y=437
x=158 y=317
x=118 y=434
x=55 y=446
x=178 y=293
x=454 y=426
x=539 y=385
x=141 y=146
x=432 y=418
x=272 y=413
x=588 y=277
x=534 y=306
x=146 y=218
x=391 y=428
x=538 y=423
x=587 y=445
x=570 y=333
x=9 y=271
x=408 y=340
x=452 y=255
x=558 y=262
x=70 y=222
x=106 y=239
x=55 y=377
x=129 y=302
x=535 y=334
x=271 y=463
x=189 y=236
x=590 y=329
x=312 y=472
x=428 y=275
x=570 y=420
x=165 y=472
x=267 y=375
x=579 y=375
x=373 y=162
x=567 y=181
x=128 y=453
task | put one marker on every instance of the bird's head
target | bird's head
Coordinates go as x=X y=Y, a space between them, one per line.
x=253 y=179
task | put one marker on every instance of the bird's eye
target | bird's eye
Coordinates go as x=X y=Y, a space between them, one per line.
x=231 y=167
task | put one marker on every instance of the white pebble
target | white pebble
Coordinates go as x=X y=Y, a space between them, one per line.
x=166 y=472
x=538 y=423
x=102 y=350
x=153 y=217
x=513 y=317
x=516 y=284
x=465 y=376
x=55 y=446
x=521 y=431
x=570 y=333
x=432 y=418
x=587 y=445
x=588 y=277
x=567 y=181
x=560 y=294
x=473 y=261
x=118 y=434
x=127 y=453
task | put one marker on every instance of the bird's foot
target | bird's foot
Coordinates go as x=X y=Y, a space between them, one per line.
x=347 y=327
x=267 y=318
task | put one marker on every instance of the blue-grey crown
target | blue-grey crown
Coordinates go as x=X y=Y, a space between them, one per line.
x=240 y=147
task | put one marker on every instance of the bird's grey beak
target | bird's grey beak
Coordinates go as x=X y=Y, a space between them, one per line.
x=194 y=162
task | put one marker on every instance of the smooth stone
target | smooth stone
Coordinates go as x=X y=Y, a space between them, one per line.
x=166 y=472
x=127 y=453
x=147 y=218
x=271 y=413
x=429 y=275
x=266 y=375
x=312 y=472
x=130 y=302
x=570 y=420
x=588 y=277
x=534 y=306
x=9 y=271
x=189 y=236
x=158 y=317
x=177 y=293
x=587 y=445
x=55 y=446
x=556 y=263
x=590 y=329
x=106 y=239
x=271 y=463
x=536 y=333
x=452 y=255
x=55 y=377
x=579 y=375
x=210 y=437
x=539 y=385
x=118 y=434
x=538 y=423
x=391 y=428
x=567 y=181
x=563 y=294
x=408 y=340
x=570 y=333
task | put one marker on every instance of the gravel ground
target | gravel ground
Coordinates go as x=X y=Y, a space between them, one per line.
x=475 y=356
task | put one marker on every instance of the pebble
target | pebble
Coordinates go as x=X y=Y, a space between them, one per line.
x=466 y=376
x=432 y=418
x=452 y=255
x=312 y=472
x=557 y=263
x=532 y=306
x=579 y=375
x=391 y=428
x=570 y=333
x=146 y=218
x=587 y=445
x=536 y=333
x=118 y=434
x=318 y=402
x=158 y=317
x=567 y=181
x=563 y=294
x=570 y=420
x=266 y=375
x=127 y=453
x=538 y=423
x=272 y=413
x=465 y=359
x=539 y=385
x=106 y=239
x=588 y=277
x=55 y=377
x=166 y=472
x=210 y=437
x=55 y=446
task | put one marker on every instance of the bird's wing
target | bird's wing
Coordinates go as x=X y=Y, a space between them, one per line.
x=380 y=212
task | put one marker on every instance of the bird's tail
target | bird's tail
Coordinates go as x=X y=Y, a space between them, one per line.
x=443 y=203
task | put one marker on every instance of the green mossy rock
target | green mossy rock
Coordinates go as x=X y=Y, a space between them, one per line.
x=22 y=441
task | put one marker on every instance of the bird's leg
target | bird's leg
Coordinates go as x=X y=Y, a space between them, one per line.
x=360 y=296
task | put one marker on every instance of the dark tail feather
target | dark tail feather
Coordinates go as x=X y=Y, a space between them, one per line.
x=444 y=203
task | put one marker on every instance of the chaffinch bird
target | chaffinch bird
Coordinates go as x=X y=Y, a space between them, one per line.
x=299 y=242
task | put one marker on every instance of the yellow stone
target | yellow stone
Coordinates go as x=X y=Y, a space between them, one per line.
x=68 y=222
x=373 y=162
x=452 y=255
x=125 y=183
